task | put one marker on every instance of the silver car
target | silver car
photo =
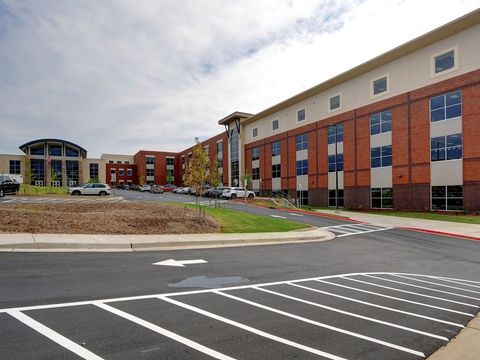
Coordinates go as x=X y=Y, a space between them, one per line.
x=91 y=189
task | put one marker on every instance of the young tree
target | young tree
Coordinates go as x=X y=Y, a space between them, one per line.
x=247 y=178
x=197 y=176
x=27 y=174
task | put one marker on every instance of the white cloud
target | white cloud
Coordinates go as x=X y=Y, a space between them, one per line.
x=120 y=76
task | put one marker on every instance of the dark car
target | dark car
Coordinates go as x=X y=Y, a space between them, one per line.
x=8 y=186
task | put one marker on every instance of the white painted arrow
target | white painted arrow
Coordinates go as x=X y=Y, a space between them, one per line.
x=180 y=263
x=278 y=216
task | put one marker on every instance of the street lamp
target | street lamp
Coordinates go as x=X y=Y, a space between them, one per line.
x=336 y=168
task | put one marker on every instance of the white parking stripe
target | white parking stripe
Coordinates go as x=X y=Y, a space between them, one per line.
x=459 y=283
x=251 y=329
x=409 y=301
x=322 y=325
x=385 y=296
x=54 y=336
x=376 y=305
x=164 y=332
x=443 y=278
x=443 y=285
x=351 y=314
x=423 y=287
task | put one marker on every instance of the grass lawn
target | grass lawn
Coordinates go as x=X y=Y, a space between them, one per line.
x=461 y=218
x=232 y=221
x=41 y=190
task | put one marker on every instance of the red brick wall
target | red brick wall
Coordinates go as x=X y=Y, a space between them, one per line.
x=125 y=178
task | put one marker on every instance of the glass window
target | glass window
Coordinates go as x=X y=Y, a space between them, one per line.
x=446 y=106
x=302 y=167
x=15 y=167
x=150 y=172
x=71 y=152
x=447 y=198
x=276 y=148
x=121 y=172
x=93 y=171
x=255 y=132
x=119 y=161
x=380 y=85
x=234 y=157
x=335 y=102
x=381 y=122
x=220 y=150
x=446 y=147
x=275 y=125
x=72 y=172
x=170 y=161
x=335 y=133
x=110 y=161
x=55 y=150
x=302 y=142
x=331 y=163
x=302 y=197
x=276 y=171
x=255 y=173
x=382 y=198
x=255 y=153
x=127 y=162
x=150 y=160
x=444 y=61
x=381 y=156
x=129 y=172
x=39 y=150
x=332 y=198
x=301 y=115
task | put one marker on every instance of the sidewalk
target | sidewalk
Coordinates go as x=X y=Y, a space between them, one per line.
x=434 y=226
x=77 y=242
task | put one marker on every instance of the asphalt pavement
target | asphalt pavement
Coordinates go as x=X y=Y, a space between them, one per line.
x=384 y=294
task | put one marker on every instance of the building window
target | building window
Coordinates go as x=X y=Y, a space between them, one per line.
x=170 y=161
x=276 y=148
x=127 y=162
x=276 y=171
x=69 y=152
x=381 y=122
x=275 y=126
x=220 y=150
x=302 y=167
x=446 y=106
x=112 y=171
x=40 y=150
x=255 y=173
x=121 y=172
x=300 y=115
x=334 y=102
x=381 y=156
x=149 y=172
x=335 y=130
x=234 y=157
x=331 y=198
x=56 y=172
x=254 y=132
x=382 y=198
x=446 y=147
x=93 y=171
x=447 y=198
x=170 y=176
x=55 y=150
x=110 y=161
x=129 y=172
x=302 y=197
x=119 y=161
x=15 y=167
x=445 y=61
x=380 y=86
x=150 y=160
x=302 y=142
x=73 y=174
x=37 y=168
x=331 y=163
x=255 y=153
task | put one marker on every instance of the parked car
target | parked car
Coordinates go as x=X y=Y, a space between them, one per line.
x=215 y=192
x=184 y=190
x=8 y=186
x=145 y=187
x=237 y=192
x=134 y=187
x=169 y=187
x=156 y=189
x=91 y=189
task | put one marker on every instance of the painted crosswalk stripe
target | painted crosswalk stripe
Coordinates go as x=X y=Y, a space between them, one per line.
x=388 y=297
x=164 y=332
x=54 y=336
x=251 y=329
x=350 y=313
x=425 y=288
x=376 y=305
x=442 y=285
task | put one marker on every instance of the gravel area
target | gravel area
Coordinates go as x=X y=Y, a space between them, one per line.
x=108 y=218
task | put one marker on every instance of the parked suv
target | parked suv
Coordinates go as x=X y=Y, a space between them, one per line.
x=91 y=189
x=8 y=186
x=237 y=192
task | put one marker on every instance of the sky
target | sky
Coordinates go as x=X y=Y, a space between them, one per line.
x=117 y=76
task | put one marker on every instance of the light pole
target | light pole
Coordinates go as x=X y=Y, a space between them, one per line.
x=336 y=168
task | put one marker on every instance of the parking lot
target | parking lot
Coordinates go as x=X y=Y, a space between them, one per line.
x=351 y=316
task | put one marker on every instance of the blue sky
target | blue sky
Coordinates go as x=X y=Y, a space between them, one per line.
x=116 y=76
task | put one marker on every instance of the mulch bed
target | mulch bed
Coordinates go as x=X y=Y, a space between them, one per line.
x=108 y=218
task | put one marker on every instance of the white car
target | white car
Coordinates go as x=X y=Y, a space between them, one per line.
x=145 y=187
x=237 y=192
x=91 y=189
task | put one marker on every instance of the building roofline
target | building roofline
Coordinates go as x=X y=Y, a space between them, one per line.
x=24 y=146
x=235 y=115
x=442 y=32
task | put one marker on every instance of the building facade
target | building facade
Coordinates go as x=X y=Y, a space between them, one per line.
x=398 y=131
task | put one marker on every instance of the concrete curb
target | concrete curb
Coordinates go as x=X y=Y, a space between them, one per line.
x=123 y=243
x=443 y=233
